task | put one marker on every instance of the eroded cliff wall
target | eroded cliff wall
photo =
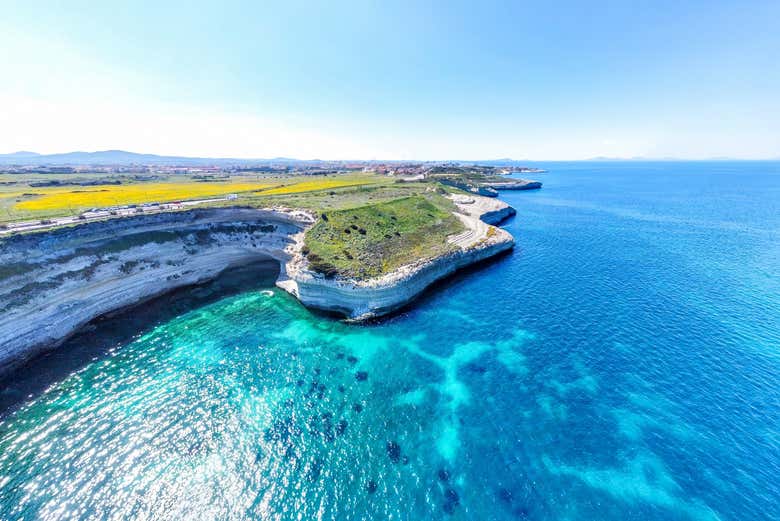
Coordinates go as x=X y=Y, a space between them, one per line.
x=53 y=283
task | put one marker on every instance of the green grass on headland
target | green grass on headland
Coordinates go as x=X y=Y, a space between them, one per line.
x=372 y=240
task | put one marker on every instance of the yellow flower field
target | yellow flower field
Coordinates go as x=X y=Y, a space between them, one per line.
x=115 y=195
x=318 y=184
x=69 y=200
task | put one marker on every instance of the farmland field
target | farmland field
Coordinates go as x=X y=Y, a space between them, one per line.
x=21 y=199
x=114 y=195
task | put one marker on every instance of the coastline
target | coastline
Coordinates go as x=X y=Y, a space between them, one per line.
x=58 y=281
x=365 y=299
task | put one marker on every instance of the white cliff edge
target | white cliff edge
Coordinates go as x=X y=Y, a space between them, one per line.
x=53 y=283
x=363 y=299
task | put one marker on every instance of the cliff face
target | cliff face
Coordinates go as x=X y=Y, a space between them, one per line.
x=55 y=282
x=362 y=299
x=52 y=283
x=518 y=184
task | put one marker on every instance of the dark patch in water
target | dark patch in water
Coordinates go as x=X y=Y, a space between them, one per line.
x=291 y=454
x=371 y=486
x=327 y=427
x=361 y=376
x=357 y=407
x=505 y=495
x=341 y=388
x=97 y=339
x=281 y=431
x=339 y=356
x=352 y=359
x=451 y=500
x=341 y=426
x=393 y=451
x=315 y=469
x=444 y=475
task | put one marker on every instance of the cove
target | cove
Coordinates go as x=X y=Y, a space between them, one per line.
x=620 y=363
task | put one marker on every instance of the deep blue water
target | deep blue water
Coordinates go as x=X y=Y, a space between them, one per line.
x=623 y=362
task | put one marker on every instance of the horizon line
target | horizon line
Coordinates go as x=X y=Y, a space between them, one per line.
x=31 y=155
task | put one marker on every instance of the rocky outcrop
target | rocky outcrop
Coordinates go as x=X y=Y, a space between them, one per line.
x=517 y=184
x=363 y=299
x=53 y=283
x=477 y=189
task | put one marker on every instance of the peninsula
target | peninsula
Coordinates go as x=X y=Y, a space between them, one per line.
x=358 y=244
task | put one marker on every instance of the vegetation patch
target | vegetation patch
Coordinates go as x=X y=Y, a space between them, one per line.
x=65 y=198
x=372 y=240
x=318 y=184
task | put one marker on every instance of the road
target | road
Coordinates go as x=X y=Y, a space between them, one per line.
x=38 y=224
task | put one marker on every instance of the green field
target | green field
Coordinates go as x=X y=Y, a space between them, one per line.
x=375 y=239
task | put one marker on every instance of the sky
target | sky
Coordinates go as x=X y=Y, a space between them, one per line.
x=410 y=80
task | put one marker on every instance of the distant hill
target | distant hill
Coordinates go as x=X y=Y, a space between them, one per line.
x=124 y=158
x=105 y=157
x=21 y=154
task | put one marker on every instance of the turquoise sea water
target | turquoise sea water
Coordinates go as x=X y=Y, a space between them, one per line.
x=623 y=362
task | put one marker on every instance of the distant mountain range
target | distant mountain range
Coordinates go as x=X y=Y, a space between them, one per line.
x=124 y=158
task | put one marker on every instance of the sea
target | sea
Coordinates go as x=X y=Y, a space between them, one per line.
x=621 y=363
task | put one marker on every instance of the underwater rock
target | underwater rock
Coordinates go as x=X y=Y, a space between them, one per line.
x=361 y=376
x=281 y=431
x=291 y=454
x=312 y=388
x=393 y=451
x=314 y=471
x=314 y=425
x=451 y=500
x=327 y=428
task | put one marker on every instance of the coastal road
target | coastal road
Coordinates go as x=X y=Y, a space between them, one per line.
x=41 y=224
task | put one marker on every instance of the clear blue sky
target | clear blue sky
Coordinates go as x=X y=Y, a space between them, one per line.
x=394 y=80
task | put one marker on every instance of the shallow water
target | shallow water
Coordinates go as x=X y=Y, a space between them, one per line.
x=621 y=363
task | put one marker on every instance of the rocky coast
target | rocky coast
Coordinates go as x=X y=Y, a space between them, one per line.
x=55 y=282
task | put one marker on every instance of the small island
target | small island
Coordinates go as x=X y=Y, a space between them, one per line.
x=356 y=243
